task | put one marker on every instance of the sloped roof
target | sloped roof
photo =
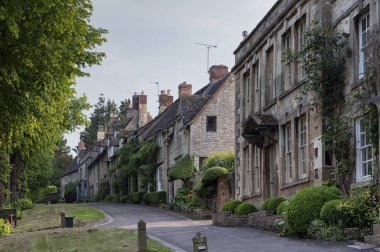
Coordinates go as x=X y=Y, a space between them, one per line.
x=73 y=167
x=187 y=107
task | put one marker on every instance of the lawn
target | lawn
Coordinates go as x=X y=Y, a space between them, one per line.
x=76 y=239
x=43 y=217
x=39 y=230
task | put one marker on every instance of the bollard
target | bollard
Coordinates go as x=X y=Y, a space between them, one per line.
x=200 y=243
x=141 y=229
x=63 y=222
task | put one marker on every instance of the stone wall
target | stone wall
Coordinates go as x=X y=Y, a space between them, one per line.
x=261 y=220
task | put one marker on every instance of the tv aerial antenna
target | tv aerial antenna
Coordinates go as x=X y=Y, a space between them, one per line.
x=207 y=46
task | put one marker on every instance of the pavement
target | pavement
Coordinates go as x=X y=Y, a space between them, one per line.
x=176 y=232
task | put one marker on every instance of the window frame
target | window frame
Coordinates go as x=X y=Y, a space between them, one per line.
x=359 y=133
x=362 y=63
x=288 y=152
x=211 y=127
x=256 y=169
x=302 y=147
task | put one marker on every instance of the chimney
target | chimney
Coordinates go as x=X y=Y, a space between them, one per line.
x=101 y=134
x=142 y=107
x=218 y=72
x=81 y=146
x=165 y=100
x=184 y=89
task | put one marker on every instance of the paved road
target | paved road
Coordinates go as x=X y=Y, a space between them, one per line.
x=177 y=231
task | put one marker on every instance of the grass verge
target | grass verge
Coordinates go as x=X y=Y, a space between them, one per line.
x=43 y=217
x=76 y=239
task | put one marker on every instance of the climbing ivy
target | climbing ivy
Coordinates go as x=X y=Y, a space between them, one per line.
x=323 y=58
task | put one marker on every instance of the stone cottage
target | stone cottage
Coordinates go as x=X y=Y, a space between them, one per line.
x=278 y=139
x=196 y=124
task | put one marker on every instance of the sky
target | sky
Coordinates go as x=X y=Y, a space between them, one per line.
x=151 y=41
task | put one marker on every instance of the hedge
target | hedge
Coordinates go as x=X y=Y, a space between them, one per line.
x=281 y=209
x=155 y=197
x=306 y=205
x=22 y=204
x=135 y=197
x=272 y=203
x=214 y=173
x=231 y=205
x=245 y=208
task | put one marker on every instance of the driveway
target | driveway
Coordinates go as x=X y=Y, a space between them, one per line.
x=176 y=231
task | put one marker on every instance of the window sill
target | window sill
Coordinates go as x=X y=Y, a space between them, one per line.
x=252 y=195
x=294 y=183
x=269 y=104
x=285 y=93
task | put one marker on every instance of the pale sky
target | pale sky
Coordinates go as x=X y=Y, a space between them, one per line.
x=155 y=41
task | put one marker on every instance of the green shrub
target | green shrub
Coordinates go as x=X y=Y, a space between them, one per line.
x=136 y=197
x=281 y=209
x=220 y=159
x=330 y=212
x=50 y=189
x=185 y=196
x=305 y=206
x=22 y=204
x=355 y=211
x=70 y=193
x=183 y=169
x=214 y=173
x=272 y=203
x=231 y=205
x=5 y=228
x=155 y=197
x=245 y=208
x=124 y=198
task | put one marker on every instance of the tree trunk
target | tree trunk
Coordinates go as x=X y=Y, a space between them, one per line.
x=2 y=195
x=16 y=181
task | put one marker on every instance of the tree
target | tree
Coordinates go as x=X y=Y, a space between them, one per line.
x=44 y=46
x=100 y=117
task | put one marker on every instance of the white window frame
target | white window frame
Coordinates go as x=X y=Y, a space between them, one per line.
x=287 y=45
x=302 y=147
x=363 y=42
x=301 y=27
x=288 y=152
x=246 y=170
x=159 y=179
x=364 y=155
x=256 y=168
x=256 y=84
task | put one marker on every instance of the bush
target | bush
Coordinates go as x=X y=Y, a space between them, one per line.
x=112 y=198
x=155 y=198
x=231 y=205
x=245 y=208
x=355 y=211
x=135 y=197
x=272 y=203
x=70 y=193
x=22 y=204
x=185 y=196
x=124 y=198
x=50 y=189
x=281 y=209
x=5 y=228
x=306 y=205
x=183 y=169
x=330 y=212
x=220 y=159
x=214 y=173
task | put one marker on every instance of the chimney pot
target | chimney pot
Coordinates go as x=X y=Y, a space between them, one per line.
x=168 y=91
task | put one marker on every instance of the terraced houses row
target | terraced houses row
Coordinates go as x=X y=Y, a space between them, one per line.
x=258 y=109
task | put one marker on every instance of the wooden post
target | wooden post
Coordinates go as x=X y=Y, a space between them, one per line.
x=63 y=222
x=142 y=243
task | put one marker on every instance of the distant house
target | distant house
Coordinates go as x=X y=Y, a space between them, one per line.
x=196 y=124
x=92 y=165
